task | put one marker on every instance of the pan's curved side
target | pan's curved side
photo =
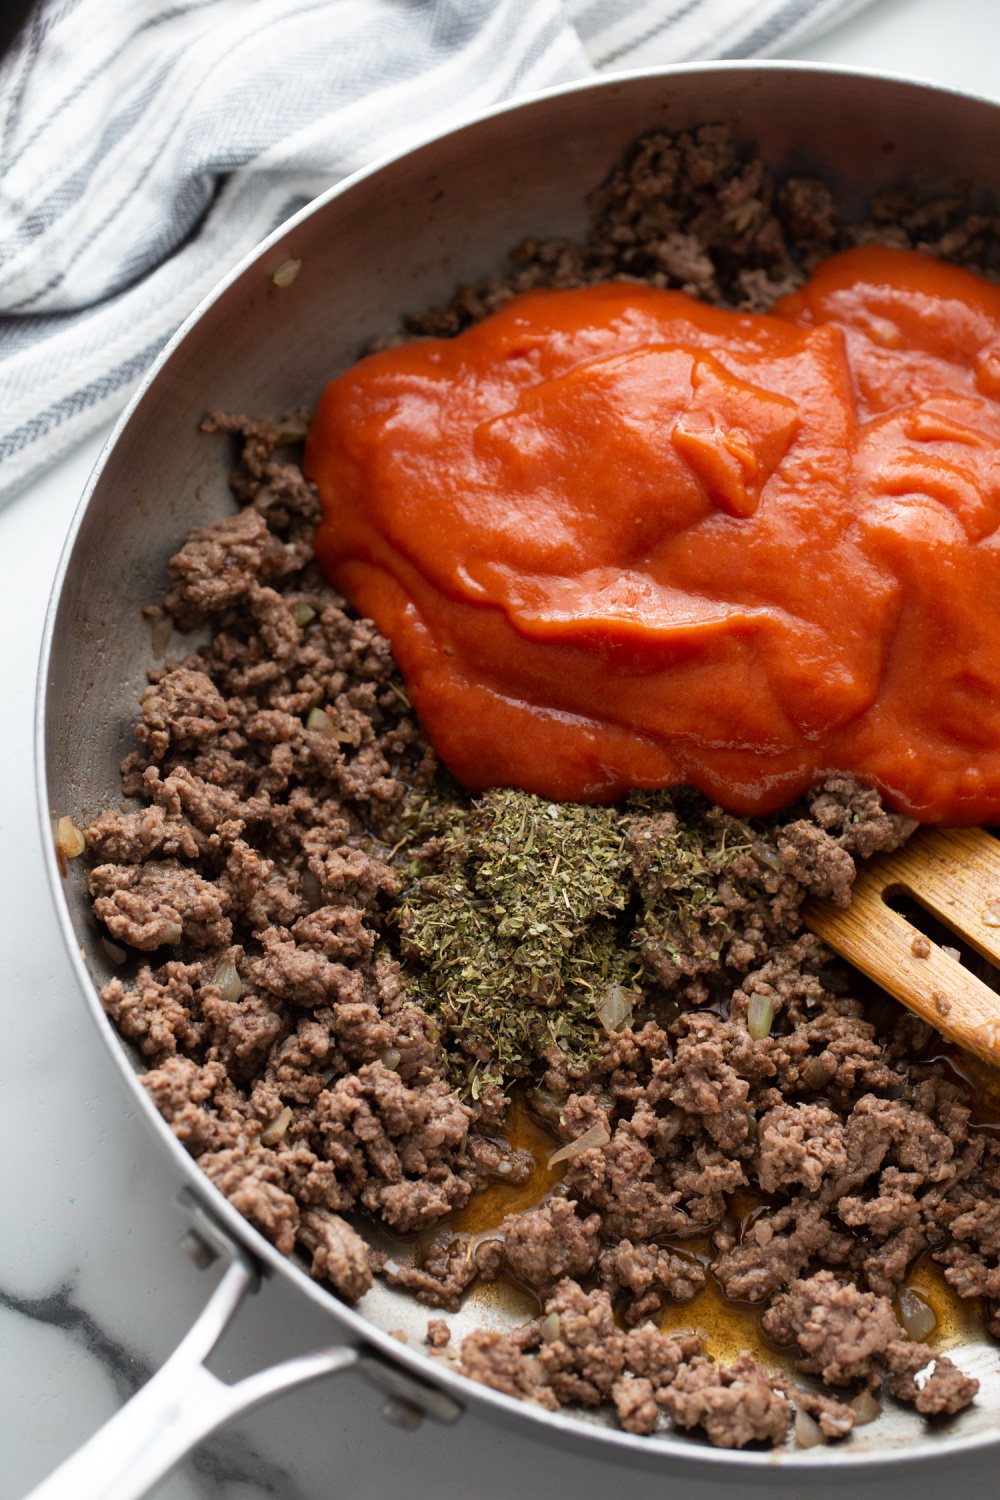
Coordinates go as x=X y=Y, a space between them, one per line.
x=397 y=237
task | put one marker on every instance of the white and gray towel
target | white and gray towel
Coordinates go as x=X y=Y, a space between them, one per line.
x=146 y=145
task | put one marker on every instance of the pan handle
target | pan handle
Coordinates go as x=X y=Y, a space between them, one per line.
x=180 y=1405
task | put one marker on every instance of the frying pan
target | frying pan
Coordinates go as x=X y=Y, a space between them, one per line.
x=397 y=237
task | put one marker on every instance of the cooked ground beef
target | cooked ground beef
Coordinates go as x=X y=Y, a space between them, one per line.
x=693 y=211
x=290 y=821
x=735 y=1404
x=846 y=1336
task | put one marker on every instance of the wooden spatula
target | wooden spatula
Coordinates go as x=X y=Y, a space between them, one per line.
x=953 y=873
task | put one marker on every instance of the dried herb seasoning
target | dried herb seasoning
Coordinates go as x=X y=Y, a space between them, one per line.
x=520 y=932
x=524 y=916
x=683 y=848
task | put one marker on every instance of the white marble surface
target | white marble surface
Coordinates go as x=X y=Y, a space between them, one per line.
x=94 y=1286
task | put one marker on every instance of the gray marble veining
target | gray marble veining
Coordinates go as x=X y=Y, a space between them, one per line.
x=223 y=1460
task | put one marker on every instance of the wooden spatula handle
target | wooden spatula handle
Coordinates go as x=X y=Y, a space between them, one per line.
x=955 y=874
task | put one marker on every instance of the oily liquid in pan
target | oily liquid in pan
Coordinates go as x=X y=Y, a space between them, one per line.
x=725 y=1326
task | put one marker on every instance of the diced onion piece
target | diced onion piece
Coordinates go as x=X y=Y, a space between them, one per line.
x=615 y=1008
x=389 y=1058
x=915 y=1315
x=286 y=273
x=670 y=1126
x=272 y=1133
x=319 y=721
x=303 y=613
x=760 y=1016
x=69 y=839
x=807 y=1431
x=770 y=857
x=117 y=955
x=160 y=634
x=814 y=1075
x=865 y=1408
x=545 y=1103
x=551 y=1328
x=597 y=1135
x=229 y=981
x=293 y=429
x=311 y=890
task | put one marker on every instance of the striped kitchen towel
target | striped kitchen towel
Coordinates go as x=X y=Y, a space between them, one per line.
x=146 y=146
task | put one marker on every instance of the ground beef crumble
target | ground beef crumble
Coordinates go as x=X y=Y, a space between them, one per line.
x=278 y=775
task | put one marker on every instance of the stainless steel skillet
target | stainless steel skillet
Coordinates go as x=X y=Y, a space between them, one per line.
x=396 y=237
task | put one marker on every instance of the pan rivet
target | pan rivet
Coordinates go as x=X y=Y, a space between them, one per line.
x=199 y=1250
x=402 y=1413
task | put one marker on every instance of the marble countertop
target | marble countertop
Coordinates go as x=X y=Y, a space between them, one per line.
x=95 y=1285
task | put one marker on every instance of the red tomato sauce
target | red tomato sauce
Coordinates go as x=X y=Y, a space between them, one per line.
x=619 y=538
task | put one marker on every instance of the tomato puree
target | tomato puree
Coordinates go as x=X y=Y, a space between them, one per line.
x=619 y=538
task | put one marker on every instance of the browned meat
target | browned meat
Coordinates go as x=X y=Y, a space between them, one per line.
x=624 y=1182
x=885 y=1268
x=735 y=1405
x=216 y=566
x=301 y=975
x=635 y=1404
x=252 y=1183
x=843 y=1334
x=497 y=1360
x=931 y=1381
x=799 y=1145
x=855 y=815
x=656 y=1356
x=550 y=1242
x=283 y=800
x=339 y=1254
x=184 y=709
x=835 y=1418
x=776 y=1248
x=808 y=210
x=814 y=859
x=186 y=1096
x=157 y=1012
x=650 y=1274
x=129 y=838
x=703 y=1083
x=587 y=1355
x=447 y=1271
x=438 y=1333
x=160 y=904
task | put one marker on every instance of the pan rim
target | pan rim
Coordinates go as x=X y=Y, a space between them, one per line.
x=600 y=1442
